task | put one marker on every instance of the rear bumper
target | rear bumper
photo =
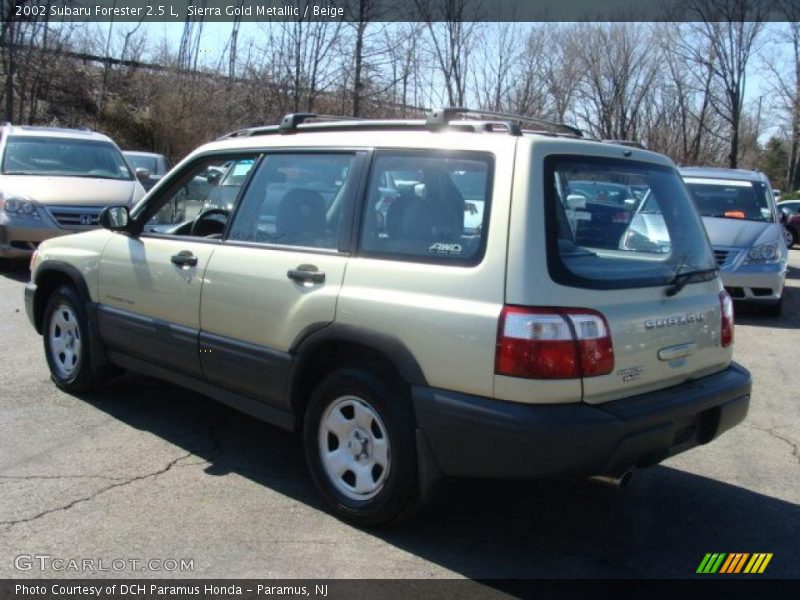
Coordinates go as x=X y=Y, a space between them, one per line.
x=470 y=436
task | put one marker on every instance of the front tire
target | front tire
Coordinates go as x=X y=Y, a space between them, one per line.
x=360 y=447
x=65 y=331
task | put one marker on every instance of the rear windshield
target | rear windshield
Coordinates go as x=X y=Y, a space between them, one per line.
x=140 y=161
x=729 y=199
x=617 y=223
x=64 y=157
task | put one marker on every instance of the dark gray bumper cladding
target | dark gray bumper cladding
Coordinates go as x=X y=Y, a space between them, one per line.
x=471 y=436
x=30 y=293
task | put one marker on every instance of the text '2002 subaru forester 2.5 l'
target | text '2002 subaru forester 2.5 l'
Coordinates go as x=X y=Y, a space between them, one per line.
x=421 y=299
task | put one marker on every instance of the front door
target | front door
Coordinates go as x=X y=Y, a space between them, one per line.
x=150 y=282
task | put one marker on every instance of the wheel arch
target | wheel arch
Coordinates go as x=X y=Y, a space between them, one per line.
x=327 y=348
x=49 y=277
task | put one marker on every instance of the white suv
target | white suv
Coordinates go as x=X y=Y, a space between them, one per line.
x=424 y=299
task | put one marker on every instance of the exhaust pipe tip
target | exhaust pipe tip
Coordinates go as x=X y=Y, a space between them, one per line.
x=618 y=481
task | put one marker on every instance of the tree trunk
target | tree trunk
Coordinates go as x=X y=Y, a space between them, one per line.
x=358 y=84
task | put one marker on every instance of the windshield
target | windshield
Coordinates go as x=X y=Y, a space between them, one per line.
x=139 y=161
x=620 y=223
x=63 y=157
x=731 y=199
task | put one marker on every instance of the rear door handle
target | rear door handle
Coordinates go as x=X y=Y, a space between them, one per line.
x=306 y=274
x=184 y=258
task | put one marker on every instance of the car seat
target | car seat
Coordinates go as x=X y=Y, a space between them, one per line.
x=300 y=220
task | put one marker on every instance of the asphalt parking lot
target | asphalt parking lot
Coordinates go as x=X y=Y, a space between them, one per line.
x=145 y=470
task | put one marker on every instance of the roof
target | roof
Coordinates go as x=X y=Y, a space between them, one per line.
x=61 y=132
x=137 y=153
x=453 y=129
x=719 y=173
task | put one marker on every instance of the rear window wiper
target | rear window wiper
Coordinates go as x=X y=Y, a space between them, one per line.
x=680 y=279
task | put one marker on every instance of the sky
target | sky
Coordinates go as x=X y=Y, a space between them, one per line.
x=215 y=36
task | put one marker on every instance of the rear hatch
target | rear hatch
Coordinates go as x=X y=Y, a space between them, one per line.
x=658 y=340
x=654 y=281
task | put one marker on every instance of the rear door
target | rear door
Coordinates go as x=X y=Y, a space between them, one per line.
x=278 y=272
x=662 y=334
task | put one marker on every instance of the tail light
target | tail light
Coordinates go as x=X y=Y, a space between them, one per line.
x=726 y=310
x=553 y=343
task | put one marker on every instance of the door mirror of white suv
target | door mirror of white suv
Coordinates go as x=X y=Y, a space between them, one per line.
x=115 y=218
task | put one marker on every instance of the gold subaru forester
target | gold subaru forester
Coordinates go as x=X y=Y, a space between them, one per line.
x=421 y=299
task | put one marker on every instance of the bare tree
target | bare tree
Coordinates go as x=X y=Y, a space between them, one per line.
x=360 y=15
x=620 y=69
x=497 y=57
x=450 y=38
x=723 y=42
x=785 y=89
x=683 y=125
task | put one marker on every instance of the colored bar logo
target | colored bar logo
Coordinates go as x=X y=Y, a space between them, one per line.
x=734 y=563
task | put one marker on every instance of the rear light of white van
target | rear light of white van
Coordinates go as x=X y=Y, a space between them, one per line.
x=726 y=309
x=553 y=343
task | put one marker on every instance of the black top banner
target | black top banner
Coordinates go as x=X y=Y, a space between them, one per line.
x=392 y=10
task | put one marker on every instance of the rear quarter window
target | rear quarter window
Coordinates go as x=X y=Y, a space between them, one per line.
x=428 y=206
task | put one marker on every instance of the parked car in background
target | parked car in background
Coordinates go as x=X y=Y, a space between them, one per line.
x=224 y=193
x=56 y=181
x=411 y=344
x=600 y=211
x=791 y=208
x=743 y=224
x=746 y=231
x=155 y=165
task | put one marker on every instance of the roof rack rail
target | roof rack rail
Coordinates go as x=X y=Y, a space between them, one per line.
x=436 y=119
x=290 y=122
x=629 y=143
x=441 y=117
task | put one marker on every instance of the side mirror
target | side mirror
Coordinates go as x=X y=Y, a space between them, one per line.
x=784 y=218
x=115 y=218
x=142 y=174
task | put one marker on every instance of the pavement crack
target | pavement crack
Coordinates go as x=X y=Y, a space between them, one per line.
x=46 y=477
x=214 y=452
x=89 y=498
x=772 y=432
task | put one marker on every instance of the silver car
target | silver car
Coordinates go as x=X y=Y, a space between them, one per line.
x=56 y=181
x=743 y=226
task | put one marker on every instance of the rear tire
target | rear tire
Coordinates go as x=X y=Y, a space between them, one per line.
x=359 y=438
x=65 y=331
